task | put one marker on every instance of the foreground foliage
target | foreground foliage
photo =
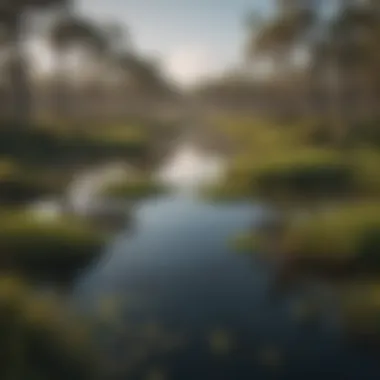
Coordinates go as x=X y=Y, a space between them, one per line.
x=48 y=145
x=132 y=189
x=349 y=235
x=57 y=247
x=39 y=337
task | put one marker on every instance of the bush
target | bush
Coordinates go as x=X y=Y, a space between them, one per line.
x=366 y=163
x=308 y=174
x=348 y=236
x=47 y=247
x=300 y=174
x=364 y=134
x=39 y=338
x=29 y=144
x=132 y=189
x=47 y=146
x=304 y=180
x=283 y=161
x=360 y=310
x=16 y=186
x=26 y=185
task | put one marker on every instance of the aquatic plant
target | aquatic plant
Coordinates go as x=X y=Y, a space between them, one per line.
x=221 y=342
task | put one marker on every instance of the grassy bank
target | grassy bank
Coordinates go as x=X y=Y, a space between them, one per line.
x=346 y=237
x=39 y=160
x=339 y=189
x=24 y=183
x=40 y=338
x=329 y=199
x=51 y=145
x=132 y=189
x=302 y=175
x=43 y=247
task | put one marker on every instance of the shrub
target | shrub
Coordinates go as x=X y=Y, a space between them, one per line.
x=308 y=174
x=39 y=338
x=48 y=247
x=283 y=161
x=134 y=188
x=17 y=185
x=349 y=236
x=226 y=191
x=360 y=310
x=304 y=173
x=19 y=188
x=47 y=145
x=365 y=133
x=366 y=163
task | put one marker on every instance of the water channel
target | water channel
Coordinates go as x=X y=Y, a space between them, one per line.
x=175 y=270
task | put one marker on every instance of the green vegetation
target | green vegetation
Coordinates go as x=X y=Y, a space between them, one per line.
x=92 y=125
x=58 y=247
x=360 y=304
x=40 y=339
x=221 y=342
x=133 y=188
x=348 y=235
x=20 y=184
x=39 y=161
x=48 y=145
x=336 y=187
x=296 y=174
x=281 y=163
x=246 y=243
x=331 y=209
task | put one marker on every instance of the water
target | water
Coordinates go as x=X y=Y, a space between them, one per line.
x=178 y=275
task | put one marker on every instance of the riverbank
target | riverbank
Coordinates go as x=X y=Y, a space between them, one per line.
x=326 y=197
x=56 y=218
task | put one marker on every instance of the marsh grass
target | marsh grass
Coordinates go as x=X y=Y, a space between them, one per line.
x=51 y=145
x=133 y=188
x=348 y=236
x=40 y=338
x=303 y=175
x=54 y=247
x=24 y=184
x=299 y=167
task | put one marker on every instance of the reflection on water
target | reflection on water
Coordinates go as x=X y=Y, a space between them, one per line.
x=189 y=168
x=178 y=272
x=83 y=193
x=83 y=198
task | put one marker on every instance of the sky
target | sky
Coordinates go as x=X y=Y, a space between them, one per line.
x=193 y=39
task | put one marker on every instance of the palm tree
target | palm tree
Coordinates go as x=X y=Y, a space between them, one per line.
x=13 y=16
x=71 y=33
x=279 y=38
x=119 y=42
x=348 y=52
x=361 y=26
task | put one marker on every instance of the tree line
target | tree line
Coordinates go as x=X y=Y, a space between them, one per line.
x=94 y=65
x=323 y=59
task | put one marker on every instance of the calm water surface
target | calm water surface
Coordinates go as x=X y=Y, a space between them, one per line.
x=176 y=269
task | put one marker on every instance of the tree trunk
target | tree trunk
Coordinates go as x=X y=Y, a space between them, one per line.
x=367 y=112
x=335 y=84
x=61 y=97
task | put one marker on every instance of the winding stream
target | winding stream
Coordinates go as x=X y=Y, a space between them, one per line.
x=177 y=270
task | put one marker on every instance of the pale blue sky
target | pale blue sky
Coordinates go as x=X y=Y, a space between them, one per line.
x=193 y=38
